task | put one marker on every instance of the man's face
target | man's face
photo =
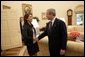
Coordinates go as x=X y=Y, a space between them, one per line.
x=49 y=16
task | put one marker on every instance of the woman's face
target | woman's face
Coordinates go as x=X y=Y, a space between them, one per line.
x=30 y=18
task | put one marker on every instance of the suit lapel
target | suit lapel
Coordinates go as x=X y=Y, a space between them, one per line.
x=54 y=24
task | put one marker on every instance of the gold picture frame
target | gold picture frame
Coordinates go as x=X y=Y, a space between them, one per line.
x=26 y=8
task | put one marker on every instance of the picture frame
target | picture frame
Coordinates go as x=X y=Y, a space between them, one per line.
x=43 y=16
x=26 y=8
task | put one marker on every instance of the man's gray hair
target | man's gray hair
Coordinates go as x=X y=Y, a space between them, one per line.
x=52 y=11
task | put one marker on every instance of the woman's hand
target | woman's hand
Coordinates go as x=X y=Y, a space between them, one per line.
x=35 y=40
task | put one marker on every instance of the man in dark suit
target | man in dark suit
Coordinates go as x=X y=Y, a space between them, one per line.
x=57 y=34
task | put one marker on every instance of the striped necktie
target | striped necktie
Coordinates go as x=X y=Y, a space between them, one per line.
x=50 y=25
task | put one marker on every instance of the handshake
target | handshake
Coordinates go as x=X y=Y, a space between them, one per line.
x=35 y=40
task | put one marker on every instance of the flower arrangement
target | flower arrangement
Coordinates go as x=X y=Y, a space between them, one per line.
x=74 y=34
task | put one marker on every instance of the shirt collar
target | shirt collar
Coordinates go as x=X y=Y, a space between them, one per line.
x=53 y=20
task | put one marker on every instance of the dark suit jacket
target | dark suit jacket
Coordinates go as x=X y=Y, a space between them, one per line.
x=57 y=36
x=27 y=34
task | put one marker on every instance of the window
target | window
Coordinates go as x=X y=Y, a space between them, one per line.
x=80 y=19
x=79 y=11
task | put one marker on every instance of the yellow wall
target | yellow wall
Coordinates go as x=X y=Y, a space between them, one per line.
x=60 y=6
x=41 y=6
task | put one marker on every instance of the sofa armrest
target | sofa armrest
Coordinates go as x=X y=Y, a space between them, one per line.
x=75 y=48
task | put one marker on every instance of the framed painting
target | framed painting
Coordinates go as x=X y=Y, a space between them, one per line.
x=43 y=16
x=26 y=8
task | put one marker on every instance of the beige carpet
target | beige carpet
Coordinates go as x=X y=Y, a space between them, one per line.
x=43 y=49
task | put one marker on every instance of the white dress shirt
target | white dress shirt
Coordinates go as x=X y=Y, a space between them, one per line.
x=53 y=20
